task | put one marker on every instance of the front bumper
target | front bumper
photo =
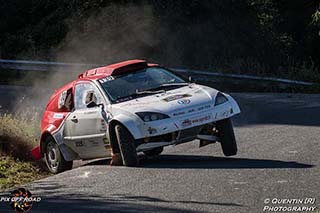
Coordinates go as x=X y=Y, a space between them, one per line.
x=181 y=129
x=172 y=138
x=179 y=123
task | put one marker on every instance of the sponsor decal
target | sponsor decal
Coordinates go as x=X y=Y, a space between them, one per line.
x=143 y=103
x=57 y=115
x=176 y=97
x=105 y=140
x=189 y=122
x=94 y=143
x=223 y=114
x=152 y=130
x=179 y=113
x=106 y=79
x=124 y=99
x=20 y=200
x=186 y=122
x=204 y=107
x=62 y=99
x=106 y=143
x=192 y=110
x=184 y=101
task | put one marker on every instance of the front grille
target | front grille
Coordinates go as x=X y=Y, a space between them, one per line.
x=189 y=133
x=161 y=138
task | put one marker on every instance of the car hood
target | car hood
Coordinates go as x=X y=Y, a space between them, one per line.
x=177 y=102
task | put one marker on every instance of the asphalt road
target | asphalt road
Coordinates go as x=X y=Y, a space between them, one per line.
x=278 y=139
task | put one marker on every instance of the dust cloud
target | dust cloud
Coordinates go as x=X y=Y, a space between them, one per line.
x=111 y=34
x=114 y=33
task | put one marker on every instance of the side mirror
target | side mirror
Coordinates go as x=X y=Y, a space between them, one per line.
x=92 y=104
x=91 y=99
x=192 y=80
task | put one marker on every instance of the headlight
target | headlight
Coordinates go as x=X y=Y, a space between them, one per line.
x=220 y=99
x=151 y=116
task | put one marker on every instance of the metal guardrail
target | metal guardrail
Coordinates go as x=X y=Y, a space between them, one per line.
x=59 y=66
x=43 y=65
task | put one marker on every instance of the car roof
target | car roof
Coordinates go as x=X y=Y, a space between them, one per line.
x=101 y=72
x=115 y=69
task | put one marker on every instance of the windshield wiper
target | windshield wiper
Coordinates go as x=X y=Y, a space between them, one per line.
x=137 y=94
x=149 y=91
x=159 y=88
x=175 y=84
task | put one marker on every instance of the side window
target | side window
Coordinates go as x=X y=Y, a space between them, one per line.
x=65 y=101
x=81 y=98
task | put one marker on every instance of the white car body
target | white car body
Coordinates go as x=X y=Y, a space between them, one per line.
x=85 y=139
x=152 y=106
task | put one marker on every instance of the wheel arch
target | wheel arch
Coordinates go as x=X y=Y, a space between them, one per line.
x=131 y=123
x=67 y=153
x=112 y=135
x=43 y=138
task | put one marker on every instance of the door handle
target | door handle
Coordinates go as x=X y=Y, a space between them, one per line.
x=74 y=119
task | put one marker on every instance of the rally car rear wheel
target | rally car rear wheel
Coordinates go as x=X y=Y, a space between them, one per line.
x=153 y=152
x=127 y=147
x=54 y=159
x=227 y=138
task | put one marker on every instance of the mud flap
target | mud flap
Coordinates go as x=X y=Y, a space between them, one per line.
x=204 y=143
x=207 y=139
x=116 y=159
x=68 y=153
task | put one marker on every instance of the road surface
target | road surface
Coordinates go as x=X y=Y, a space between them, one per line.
x=278 y=139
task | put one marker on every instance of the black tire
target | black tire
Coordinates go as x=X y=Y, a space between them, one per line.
x=153 y=152
x=227 y=138
x=127 y=148
x=53 y=158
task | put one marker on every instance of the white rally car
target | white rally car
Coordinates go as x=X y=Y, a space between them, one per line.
x=130 y=107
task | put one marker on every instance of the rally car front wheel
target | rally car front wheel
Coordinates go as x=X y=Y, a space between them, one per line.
x=127 y=148
x=54 y=159
x=227 y=138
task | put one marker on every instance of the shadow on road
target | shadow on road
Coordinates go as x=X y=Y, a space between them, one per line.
x=151 y=199
x=209 y=162
x=77 y=203
x=54 y=200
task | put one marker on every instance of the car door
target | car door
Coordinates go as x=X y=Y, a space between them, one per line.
x=85 y=129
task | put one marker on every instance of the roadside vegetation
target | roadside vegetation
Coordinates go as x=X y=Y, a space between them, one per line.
x=18 y=134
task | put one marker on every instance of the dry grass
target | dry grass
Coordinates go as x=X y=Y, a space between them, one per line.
x=14 y=172
x=18 y=135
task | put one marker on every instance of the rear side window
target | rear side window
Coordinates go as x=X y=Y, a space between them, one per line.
x=65 y=102
x=81 y=91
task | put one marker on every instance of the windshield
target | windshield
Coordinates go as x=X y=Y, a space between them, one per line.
x=140 y=83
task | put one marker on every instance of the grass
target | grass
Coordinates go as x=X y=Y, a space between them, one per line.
x=18 y=135
x=14 y=172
